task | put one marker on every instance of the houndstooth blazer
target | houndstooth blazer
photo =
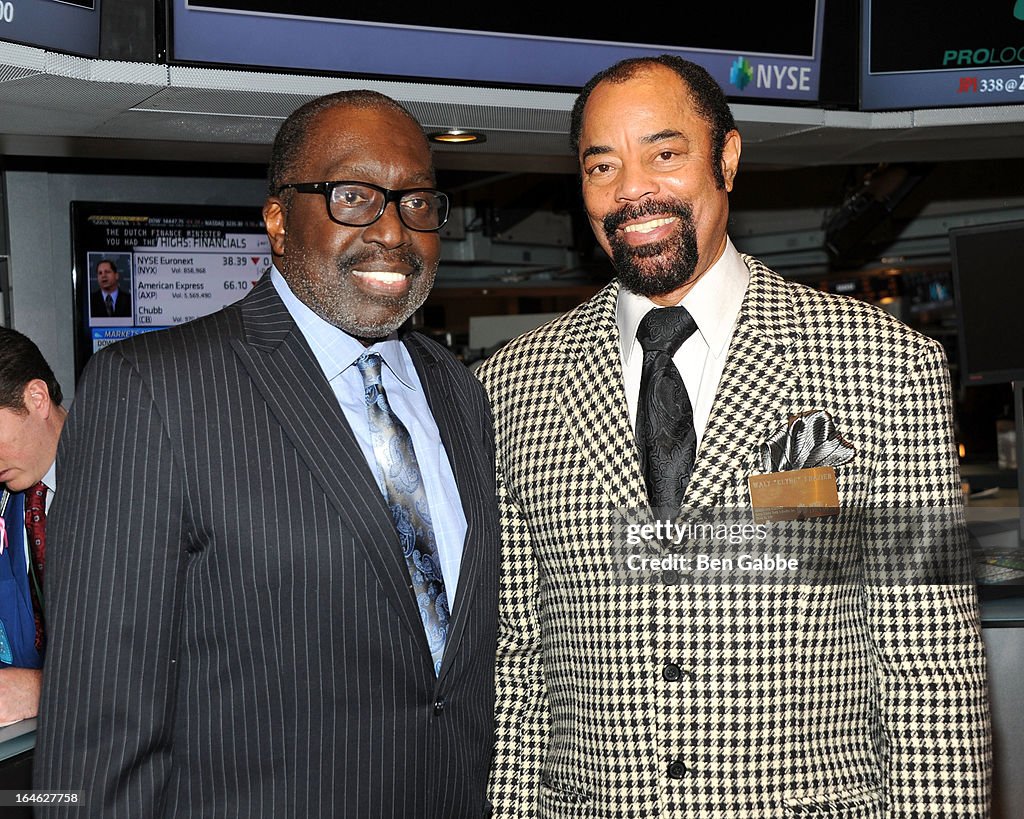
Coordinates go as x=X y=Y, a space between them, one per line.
x=670 y=698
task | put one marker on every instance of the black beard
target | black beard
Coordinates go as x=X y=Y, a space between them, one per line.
x=640 y=269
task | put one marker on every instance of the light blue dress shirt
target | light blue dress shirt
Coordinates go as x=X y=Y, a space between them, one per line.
x=336 y=352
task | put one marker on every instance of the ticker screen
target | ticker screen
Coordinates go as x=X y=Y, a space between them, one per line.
x=918 y=54
x=72 y=26
x=787 y=24
x=985 y=258
x=759 y=51
x=143 y=267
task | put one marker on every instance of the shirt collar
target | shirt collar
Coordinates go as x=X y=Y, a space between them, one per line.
x=334 y=349
x=714 y=302
x=50 y=478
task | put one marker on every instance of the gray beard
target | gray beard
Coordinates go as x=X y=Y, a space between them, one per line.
x=338 y=302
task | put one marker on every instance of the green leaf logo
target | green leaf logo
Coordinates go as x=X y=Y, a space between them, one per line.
x=741 y=72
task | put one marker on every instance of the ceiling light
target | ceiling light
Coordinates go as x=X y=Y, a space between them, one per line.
x=456 y=136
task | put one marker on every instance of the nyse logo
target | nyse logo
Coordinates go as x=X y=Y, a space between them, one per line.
x=741 y=73
x=783 y=77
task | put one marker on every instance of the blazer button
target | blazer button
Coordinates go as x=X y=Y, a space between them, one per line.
x=670 y=577
x=439 y=707
x=671 y=672
x=676 y=770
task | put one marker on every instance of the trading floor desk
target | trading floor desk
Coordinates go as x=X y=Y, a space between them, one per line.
x=16 y=744
x=15 y=740
x=1002 y=622
x=999 y=562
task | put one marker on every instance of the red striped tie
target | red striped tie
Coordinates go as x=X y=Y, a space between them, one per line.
x=35 y=525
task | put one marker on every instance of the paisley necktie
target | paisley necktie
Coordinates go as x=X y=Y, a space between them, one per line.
x=665 y=435
x=407 y=499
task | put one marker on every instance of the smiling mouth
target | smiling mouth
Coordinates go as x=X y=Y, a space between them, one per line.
x=385 y=277
x=383 y=283
x=650 y=225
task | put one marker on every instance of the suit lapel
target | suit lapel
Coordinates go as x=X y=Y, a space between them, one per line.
x=14 y=523
x=593 y=401
x=285 y=372
x=754 y=393
x=464 y=447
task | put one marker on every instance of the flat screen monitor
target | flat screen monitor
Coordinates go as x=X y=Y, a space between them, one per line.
x=71 y=26
x=917 y=54
x=759 y=51
x=988 y=287
x=140 y=267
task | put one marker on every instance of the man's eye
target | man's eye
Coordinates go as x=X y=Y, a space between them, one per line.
x=349 y=197
x=415 y=203
x=599 y=169
x=666 y=155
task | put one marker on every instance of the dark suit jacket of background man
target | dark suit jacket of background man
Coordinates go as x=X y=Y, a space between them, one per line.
x=122 y=307
x=229 y=598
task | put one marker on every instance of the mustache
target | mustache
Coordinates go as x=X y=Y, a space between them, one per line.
x=649 y=207
x=404 y=257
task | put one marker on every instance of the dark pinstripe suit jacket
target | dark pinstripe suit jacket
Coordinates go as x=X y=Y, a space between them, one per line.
x=233 y=631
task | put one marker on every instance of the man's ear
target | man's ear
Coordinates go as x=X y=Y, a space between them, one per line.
x=274 y=217
x=36 y=398
x=731 y=158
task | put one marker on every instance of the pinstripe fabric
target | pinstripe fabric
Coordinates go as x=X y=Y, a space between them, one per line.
x=233 y=631
x=714 y=701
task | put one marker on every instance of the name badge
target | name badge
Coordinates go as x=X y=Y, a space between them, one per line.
x=794 y=495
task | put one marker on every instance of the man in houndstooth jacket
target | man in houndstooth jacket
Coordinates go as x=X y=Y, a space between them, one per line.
x=856 y=693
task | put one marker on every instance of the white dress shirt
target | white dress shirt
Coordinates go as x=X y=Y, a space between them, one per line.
x=112 y=295
x=714 y=302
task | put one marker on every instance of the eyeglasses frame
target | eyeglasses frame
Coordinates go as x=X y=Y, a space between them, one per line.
x=327 y=188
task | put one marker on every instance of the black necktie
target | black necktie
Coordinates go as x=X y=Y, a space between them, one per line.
x=664 y=417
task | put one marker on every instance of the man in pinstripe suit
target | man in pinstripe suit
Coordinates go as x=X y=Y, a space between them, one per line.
x=234 y=630
x=856 y=690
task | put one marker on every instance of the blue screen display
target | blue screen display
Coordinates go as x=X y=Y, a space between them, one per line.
x=774 y=53
x=916 y=54
x=72 y=26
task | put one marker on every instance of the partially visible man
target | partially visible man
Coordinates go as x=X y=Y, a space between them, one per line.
x=282 y=601
x=109 y=300
x=31 y=419
x=693 y=385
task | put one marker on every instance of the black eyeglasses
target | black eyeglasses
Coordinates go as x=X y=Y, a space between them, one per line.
x=358 y=204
